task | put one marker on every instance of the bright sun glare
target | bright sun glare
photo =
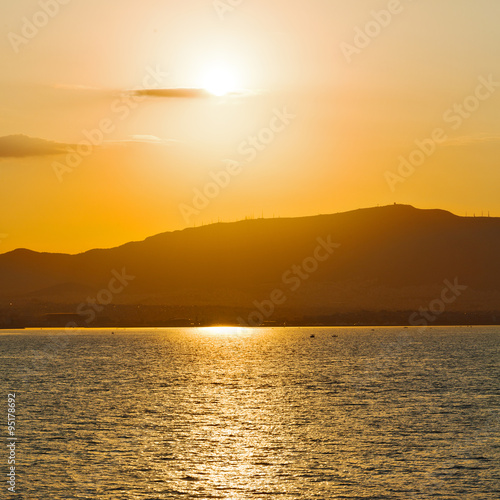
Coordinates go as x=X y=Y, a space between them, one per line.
x=221 y=330
x=219 y=81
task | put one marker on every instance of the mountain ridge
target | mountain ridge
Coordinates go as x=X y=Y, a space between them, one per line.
x=388 y=258
x=243 y=221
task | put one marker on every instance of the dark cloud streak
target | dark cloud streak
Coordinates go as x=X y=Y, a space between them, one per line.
x=191 y=93
x=179 y=93
x=22 y=146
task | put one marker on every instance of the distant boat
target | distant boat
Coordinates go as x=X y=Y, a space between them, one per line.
x=312 y=335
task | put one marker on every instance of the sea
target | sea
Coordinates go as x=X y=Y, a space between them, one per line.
x=251 y=413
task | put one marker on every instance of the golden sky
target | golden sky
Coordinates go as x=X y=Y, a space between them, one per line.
x=120 y=120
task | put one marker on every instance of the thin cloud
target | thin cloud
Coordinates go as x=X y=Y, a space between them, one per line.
x=141 y=139
x=473 y=140
x=165 y=93
x=22 y=146
x=149 y=139
x=82 y=88
x=176 y=93
x=193 y=93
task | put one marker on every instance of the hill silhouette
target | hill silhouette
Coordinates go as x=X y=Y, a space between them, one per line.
x=388 y=258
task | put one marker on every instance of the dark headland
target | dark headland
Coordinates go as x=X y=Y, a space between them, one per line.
x=392 y=265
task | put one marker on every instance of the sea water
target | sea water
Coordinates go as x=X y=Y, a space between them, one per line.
x=231 y=413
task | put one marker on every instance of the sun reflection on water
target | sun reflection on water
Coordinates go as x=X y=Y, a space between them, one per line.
x=223 y=330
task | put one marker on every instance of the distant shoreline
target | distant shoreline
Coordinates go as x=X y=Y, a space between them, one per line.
x=194 y=327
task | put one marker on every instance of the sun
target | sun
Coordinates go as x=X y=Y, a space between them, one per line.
x=219 y=81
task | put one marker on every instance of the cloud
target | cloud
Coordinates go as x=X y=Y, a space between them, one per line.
x=141 y=139
x=473 y=140
x=165 y=93
x=22 y=146
x=150 y=139
x=177 y=93
x=81 y=88
x=192 y=93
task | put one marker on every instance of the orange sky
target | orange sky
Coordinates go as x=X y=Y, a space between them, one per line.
x=123 y=120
